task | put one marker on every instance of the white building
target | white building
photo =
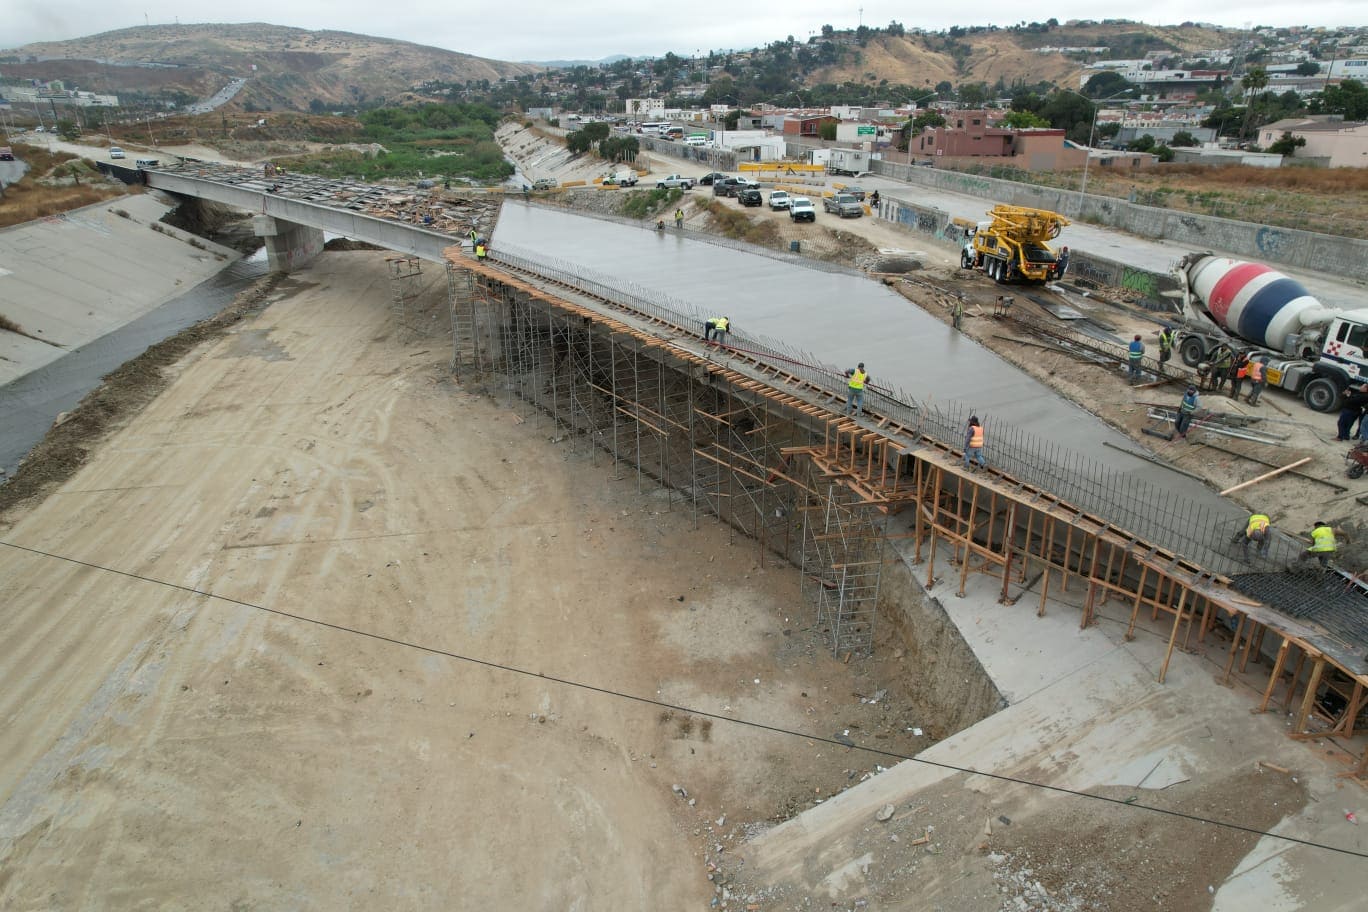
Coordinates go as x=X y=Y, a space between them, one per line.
x=645 y=109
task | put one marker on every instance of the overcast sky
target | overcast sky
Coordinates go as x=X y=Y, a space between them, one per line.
x=591 y=29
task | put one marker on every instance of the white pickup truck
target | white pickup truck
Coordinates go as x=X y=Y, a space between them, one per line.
x=676 y=180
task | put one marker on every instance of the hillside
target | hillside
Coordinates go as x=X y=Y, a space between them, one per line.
x=294 y=67
x=986 y=56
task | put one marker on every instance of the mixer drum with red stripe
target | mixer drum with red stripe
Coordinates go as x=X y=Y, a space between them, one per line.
x=1252 y=300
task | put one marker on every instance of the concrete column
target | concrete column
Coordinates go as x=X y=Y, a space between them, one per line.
x=288 y=245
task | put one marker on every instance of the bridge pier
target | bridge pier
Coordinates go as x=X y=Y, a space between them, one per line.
x=288 y=245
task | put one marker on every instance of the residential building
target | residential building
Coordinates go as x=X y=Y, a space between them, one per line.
x=1338 y=143
x=971 y=136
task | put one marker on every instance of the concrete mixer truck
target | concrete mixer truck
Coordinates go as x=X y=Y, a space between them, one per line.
x=1310 y=349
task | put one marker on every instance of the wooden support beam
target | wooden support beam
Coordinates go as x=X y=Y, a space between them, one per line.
x=1309 y=700
x=1273 y=678
x=1173 y=636
x=1234 y=647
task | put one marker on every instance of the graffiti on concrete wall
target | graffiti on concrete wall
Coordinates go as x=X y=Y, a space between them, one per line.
x=1082 y=267
x=1271 y=241
x=1140 y=281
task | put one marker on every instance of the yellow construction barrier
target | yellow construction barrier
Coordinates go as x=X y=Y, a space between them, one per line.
x=782 y=168
x=578 y=183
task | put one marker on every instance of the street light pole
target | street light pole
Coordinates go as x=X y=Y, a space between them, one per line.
x=913 y=102
x=1092 y=130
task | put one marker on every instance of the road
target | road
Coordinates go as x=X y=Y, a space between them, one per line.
x=11 y=171
x=219 y=98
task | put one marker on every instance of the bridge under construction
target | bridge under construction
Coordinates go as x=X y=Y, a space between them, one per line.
x=760 y=439
x=755 y=434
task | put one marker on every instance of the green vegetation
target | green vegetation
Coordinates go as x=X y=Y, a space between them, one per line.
x=442 y=141
x=642 y=204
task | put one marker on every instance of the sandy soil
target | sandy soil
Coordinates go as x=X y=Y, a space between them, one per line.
x=167 y=749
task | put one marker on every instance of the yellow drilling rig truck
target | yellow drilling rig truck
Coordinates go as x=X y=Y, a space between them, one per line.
x=1013 y=246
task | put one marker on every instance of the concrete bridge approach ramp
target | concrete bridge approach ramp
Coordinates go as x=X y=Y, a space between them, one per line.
x=839 y=318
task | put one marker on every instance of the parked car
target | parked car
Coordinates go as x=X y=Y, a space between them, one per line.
x=707 y=179
x=779 y=199
x=857 y=192
x=116 y=152
x=748 y=182
x=844 y=205
x=749 y=196
x=676 y=180
x=546 y=183
x=802 y=210
x=6 y=154
x=726 y=186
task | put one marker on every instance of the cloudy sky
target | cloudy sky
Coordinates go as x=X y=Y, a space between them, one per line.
x=591 y=29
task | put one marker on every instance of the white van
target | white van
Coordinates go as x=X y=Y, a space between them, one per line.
x=695 y=140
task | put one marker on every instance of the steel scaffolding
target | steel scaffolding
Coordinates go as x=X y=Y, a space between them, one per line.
x=843 y=556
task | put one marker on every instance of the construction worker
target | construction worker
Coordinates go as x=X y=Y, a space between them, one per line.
x=716 y=330
x=973 y=443
x=1257 y=529
x=679 y=218
x=473 y=235
x=1061 y=263
x=1220 y=368
x=856 y=378
x=481 y=249
x=957 y=311
x=1186 y=408
x=1256 y=380
x=1166 y=338
x=1351 y=410
x=1136 y=355
x=1323 y=545
x=1238 y=371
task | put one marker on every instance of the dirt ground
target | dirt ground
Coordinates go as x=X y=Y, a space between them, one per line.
x=317 y=461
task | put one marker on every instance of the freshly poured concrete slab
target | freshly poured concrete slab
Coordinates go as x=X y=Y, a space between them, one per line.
x=841 y=318
x=67 y=281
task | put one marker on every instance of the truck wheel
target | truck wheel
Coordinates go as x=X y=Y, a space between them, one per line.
x=1356 y=470
x=1192 y=351
x=966 y=260
x=1322 y=395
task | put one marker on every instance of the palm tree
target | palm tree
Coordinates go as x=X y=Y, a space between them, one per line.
x=1253 y=82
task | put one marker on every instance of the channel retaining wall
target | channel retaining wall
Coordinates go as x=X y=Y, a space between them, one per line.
x=1289 y=246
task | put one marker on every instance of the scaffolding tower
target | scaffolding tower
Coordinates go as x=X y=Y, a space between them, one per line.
x=461 y=298
x=406 y=285
x=843 y=554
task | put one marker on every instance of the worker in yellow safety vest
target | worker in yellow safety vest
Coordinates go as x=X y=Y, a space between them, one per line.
x=856 y=378
x=716 y=330
x=481 y=251
x=1258 y=529
x=1323 y=544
